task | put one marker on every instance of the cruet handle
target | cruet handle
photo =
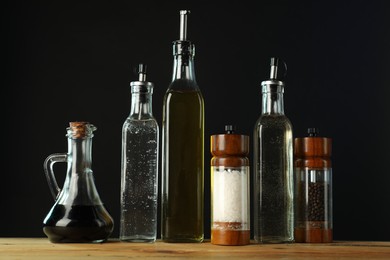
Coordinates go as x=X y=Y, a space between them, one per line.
x=48 y=167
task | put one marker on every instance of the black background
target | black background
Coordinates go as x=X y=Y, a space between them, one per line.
x=67 y=61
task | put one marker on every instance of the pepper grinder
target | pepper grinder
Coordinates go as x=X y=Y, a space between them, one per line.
x=313 y=189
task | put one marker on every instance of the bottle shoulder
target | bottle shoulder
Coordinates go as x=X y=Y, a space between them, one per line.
x=274 y=120
x=183 y=96
x=274 y=117
x=132 y=123
x=183 y=85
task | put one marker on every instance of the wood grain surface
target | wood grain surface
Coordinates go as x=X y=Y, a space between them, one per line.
x=41 y=248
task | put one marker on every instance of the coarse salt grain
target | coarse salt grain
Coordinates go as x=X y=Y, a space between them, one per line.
x=230 y=195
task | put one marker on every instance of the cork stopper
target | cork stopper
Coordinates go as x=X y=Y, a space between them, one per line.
x=80 y=129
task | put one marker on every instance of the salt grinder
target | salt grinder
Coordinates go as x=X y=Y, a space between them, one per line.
x=313 y=189
x=230 y=202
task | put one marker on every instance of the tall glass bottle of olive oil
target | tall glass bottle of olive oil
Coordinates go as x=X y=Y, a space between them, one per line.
x=183 y=148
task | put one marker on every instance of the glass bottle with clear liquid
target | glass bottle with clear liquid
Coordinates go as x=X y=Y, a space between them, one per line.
x=140 y=132
x=183 y=148
x=273 y=166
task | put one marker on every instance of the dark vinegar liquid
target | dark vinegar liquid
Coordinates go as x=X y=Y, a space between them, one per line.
x=78 y=224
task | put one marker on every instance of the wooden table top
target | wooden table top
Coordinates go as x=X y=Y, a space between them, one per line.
x=41 y=248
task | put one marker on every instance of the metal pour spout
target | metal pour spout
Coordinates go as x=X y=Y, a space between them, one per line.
x=183 y=24
x=274 y=68
x=141 y=72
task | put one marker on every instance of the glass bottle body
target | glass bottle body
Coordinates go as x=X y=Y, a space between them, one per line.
x=78 y=216
x=183 y=155
x=273 y=164
x=139 y=172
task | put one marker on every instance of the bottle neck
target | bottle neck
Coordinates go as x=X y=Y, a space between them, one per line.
x=183 y=76
x=80 y=152
x=273 y=103
x=79 y=187
x=183 y=67
x=141 y=105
